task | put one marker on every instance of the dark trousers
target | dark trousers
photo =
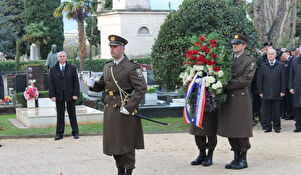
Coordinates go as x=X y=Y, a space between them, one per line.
x=287 y=110
x=207 y=141
x=239 y=144
x=126 y=160
x=298 y=117
x=270 y=113
x=60 y=110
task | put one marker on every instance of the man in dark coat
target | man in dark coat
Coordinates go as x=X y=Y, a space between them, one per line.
x=235 y=117
x=205 y=138
x=64 y=88
x=295 y=89
x=271 y=87
x=125 y=86
x=288 y=111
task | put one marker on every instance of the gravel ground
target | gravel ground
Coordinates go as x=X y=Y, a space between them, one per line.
x=165 y=154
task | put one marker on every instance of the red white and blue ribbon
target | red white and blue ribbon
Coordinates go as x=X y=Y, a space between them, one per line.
x=197 y=120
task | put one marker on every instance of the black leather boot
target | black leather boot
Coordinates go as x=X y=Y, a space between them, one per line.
x=235 y=161
x=208 y=160
x=242 y=163
x=128 y=172
x=200 y=159
x=121 y=171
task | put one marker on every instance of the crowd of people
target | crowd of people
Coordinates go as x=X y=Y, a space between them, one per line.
x=275 y=88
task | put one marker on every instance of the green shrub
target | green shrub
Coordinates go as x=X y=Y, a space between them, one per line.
x=93 y=65
x=194 y=18
x=43 y=94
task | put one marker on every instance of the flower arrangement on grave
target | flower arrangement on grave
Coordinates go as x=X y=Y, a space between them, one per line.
x=7 y=100
x=207 y=70
x=31 y=92
x=151 y=90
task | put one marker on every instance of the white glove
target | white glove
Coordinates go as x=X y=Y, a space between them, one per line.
x=124 y=111
x=90 y=82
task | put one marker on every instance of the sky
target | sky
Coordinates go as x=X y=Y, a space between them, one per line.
x=71 y=26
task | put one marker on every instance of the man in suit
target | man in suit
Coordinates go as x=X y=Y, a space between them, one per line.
x=288 y=113
x=271 y=87
x=235 y=116
x=64 y=88
x=124 y=85
x=295 y=89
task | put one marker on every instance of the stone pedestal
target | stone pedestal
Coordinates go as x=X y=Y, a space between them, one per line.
x=46 y=116
x=31 y=103
x=151 y=99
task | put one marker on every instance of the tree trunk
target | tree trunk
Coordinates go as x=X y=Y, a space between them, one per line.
x=82 y=43
x=275 y=21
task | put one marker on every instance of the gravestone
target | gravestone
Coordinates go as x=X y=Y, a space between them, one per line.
x=33 y=53
x=21 y=82
x=36 y=72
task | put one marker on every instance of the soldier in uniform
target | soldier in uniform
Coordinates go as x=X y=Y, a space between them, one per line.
x=235 y=115
x=124 y=85
x=205 y=138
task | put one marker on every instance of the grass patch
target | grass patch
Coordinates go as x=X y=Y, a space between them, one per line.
x=7 y=129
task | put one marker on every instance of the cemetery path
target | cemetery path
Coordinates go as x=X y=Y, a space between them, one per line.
x=165 y=154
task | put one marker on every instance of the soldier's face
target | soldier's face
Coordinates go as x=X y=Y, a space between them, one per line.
x=238 y=48
x=117 y=51
x=62 y=58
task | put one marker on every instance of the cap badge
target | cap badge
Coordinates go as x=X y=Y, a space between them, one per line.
x=236 y=36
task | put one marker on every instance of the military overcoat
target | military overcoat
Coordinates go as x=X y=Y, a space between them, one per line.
x=235 y=115
x=295 y=80
x=209 y=125
x=121 y=133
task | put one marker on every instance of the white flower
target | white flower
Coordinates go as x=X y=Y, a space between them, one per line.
x=198 y=80
x=210 y=70
x=218 y=91
x=198 y=68
x=210 y=79
x=192 y=71
x=219 y=84
x=220 y=73
x=214 y=86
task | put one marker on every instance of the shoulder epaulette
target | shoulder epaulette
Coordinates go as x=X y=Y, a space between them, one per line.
x=133 y=61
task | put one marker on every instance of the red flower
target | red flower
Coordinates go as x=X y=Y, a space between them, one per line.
x=213 y=45
x=212 y=41
x=204 y=47
x=197 y=43
x=216 y=69
x=202 y=38
x=214 y=56
x=207 y=50
x=214 y=62
x=209 y=62
x=203 y=61
x=187 y=55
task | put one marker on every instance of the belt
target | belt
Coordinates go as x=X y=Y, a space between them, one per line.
x=116 y=93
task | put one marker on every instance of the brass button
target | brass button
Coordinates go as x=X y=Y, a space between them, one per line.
x=242 y=93
x=107 y=105
x=232 y=95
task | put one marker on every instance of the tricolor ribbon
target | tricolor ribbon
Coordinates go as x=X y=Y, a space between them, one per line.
x=197 y=120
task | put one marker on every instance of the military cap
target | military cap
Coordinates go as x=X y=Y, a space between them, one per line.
x=268 y=44
x=239 y=39
x=117 y=40
x=291 y=49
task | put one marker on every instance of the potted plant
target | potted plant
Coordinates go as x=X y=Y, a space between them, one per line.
x=31 y=93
